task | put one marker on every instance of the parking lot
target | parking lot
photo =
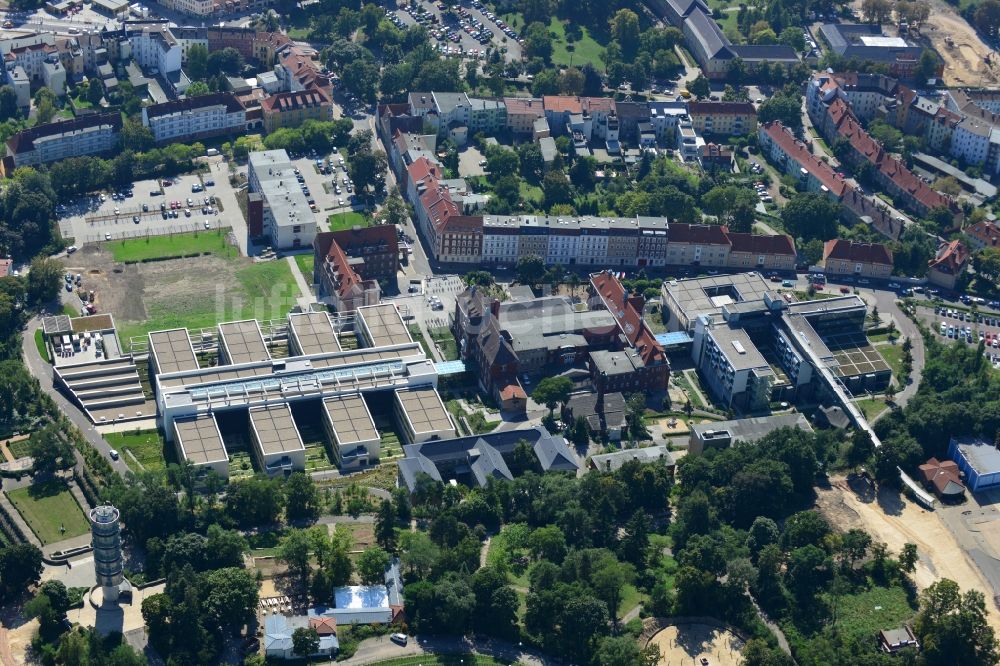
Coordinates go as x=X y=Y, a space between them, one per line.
x=451 y=31
x=152 y=208
x=952 y=324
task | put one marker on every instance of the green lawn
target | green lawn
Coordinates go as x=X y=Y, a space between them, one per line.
x=893 y=355
x=342 y=221
x=47 y=507
x=43 y=351
x=175 y=245
x=577 y=53
x=70 y=311
x=446 y=342
x=871 y=407
x=265 y=290
x=148 y=447
x=305 y=263
x=21 y=448
x=860 y=616
x=531 y=193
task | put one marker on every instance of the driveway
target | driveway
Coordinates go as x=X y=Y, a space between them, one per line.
x=42 y=371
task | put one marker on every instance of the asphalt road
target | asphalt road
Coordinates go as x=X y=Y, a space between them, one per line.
x=42 y=371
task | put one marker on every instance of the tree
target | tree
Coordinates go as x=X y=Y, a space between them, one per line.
x=95 y=92
x=876 y=11
x=556 y=189
x=21 y=566
x=571 y=81
x=700 y=86
x=294 y=551
x=908 y=557
x=367 y=170
x=227 y=60
x=362 y=78
x=532 y=163
x=197 y=62
x=385 y=530
x=254 y=501
x=952 y=626
x=228 y=597
x=890 y=137
x=987 y=17
x=302 y=501
x=8 y=103
x=927 y=68
x=50 y=450
x=609 y=581
x=501 y=162
x=548 y=543
x=305 y=641
x=45 y=105
x=372 y=563
x=550 y=391
x=530 y=269
x=394 y=210
x=784 y=106
x=136 y=136
x=44 y=280
x=625 y=30
x=811 y=215
x=583 y=174
x=537 y=42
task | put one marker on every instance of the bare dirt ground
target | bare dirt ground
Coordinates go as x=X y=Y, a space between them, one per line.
x=893 y=519
x=688 y=643
x=968 y=60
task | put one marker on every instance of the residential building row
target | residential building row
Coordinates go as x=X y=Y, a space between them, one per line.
x=831 y=101
x=716 y=55
x=812 y=174
x=300 y=90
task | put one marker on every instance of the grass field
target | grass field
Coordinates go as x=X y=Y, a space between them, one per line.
x=446 y=342
x=249 y=291
x=342 y=221
x=893 y=355
x=43 y=351
x=871 y=406
x=148 y=447
x=47 y=507
x=860 y=616
x=305 y=264
x=175 y=245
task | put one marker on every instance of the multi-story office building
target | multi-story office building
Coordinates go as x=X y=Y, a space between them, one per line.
x=285 y=214
x=195 y=118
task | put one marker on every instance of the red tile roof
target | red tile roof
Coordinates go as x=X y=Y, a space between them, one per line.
x=562 y=104
x=986 y=232
x=798 y=151
x=756 y=244
x=951 y=258
x=513 y=392
x=867 y=253
x=941 y=474
x=705 y=234
x=627 y=311
x=324 y=626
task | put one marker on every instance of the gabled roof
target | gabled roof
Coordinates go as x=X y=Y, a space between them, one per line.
x=950 y=258
x=868 y=253
x=225 y=99
x=796 y=150
x=24 y=141
x=986 y=232
x=760 y=244
x=703 y=234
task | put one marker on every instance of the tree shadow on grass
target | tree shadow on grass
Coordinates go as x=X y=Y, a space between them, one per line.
x=48 y=488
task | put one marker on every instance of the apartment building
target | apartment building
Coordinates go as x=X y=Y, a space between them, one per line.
x=948 y=264
x=291 y=109
x=343 y=282
x=86 y=135
x=285 y=216
x=459 y=116
x=705 y=245
x=152 y=45
x=195 y=118
x=723 y=118
x=664 y=118
x=793 y=158
x=869 y=260
x=983 y=234
x=522 y=112
x=736 y=372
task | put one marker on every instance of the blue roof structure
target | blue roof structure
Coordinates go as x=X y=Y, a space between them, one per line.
x=673 y=339
x=450 y=367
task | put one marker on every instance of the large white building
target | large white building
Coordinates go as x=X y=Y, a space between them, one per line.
x=87 y=135
x=216 y=114
x=287 y=218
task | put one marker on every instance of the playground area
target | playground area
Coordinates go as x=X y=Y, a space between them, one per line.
x=698 y=644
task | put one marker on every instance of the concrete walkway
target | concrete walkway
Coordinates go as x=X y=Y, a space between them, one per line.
x=306 y=299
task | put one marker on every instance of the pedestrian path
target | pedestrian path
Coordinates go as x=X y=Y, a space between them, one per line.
x=306 y=299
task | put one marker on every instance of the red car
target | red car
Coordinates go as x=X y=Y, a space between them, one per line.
x=845 y=290
x=817 y=286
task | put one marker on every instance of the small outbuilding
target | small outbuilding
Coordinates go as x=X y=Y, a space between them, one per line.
x=894 y=640
x=943 y=478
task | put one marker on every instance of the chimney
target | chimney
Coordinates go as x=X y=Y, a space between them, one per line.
x=495 y=308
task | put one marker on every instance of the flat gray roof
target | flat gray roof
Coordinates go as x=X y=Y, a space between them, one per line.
x=313 y=332
x=982 y=455
x=173 y=350
x=350 y=419
x=708 y=295
x=750 y=430
x=200 y=439
x=609 y=462
x=243 y=341
x=384 y=324
x=275 y=430
x=737 y=347
x=424 y=410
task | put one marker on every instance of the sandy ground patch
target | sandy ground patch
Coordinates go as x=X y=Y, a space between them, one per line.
x=688 y=643
x=892 y=518
x=966 y=56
